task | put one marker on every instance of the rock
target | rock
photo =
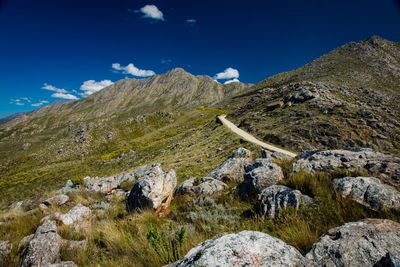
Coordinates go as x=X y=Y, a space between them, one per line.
x=277 y=197
x=362 y=243
x=209 y=186
x=75 y=245
x=274 y=105
x=187 y=187
x=108 y=184
x=369 y=191
x=232 y=169
x=301 y=92
x=246 y=248
x=25 y=242
x=259 y=175
x=388 y=260
x=62 y=264
x=154 y=190
x=265 y=154
x=384 y=166
x=44 y=248
x=57 y=200
x=5 y=249
x=16 y=205
x=68 y=187
x=78 y=217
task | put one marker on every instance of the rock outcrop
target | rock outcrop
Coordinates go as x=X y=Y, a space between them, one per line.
x=186 y=187
x=44 y=248
x=362 y=243
x=232 y=169
x=209 y=186
x=278 y=197
x=56 y=200
x=5 y=249
x=386 y=167
x=107 y=184
x=369 y=191
x=259 y=175
x=246 y=248
x=78 y=217
x=153 y=190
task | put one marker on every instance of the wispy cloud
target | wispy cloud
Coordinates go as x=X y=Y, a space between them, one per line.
x=191 y=21
x=39 y=103
x=132 y=70
x=91 y=86
x=60 y=93
x=227 y=74
x=152 y=12
x=17 y=102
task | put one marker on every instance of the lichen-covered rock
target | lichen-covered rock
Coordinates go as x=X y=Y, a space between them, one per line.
x=362 y=243
x=154 y=190
x=369 y=191
x=44 y=248
x=246 y=248
x=68 y=187
x=265 y=154
x=5 y=249
x=232 y=169
x=56 y=200
x=277 y=197
x=384 y=166
x=78 y=217
x=187 y=187
x=209 y=186
x=259 y=175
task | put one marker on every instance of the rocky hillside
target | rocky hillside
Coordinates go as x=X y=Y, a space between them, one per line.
x=346 y=98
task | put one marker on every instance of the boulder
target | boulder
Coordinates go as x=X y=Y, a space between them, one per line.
x=5 y=249
x=187 y=187
x=56 y=200
x=386 y=167
x=362 y=243
x=232 y=169
x=78 y=217
x=44 y=247
x=154 y=190
x=259 y=175
x=68 y=187
x=265 y=154
x=209 y=186
x=369 y=191
x=246 y=248
x=277 y=197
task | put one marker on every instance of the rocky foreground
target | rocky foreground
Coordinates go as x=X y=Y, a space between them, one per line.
x=368 y=242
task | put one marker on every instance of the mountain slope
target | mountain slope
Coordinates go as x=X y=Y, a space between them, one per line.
x=346 y=98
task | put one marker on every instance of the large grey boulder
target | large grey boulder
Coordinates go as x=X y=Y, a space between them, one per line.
x=56 y=200
x=209 y=186
x=187 y=187
x=232 y=169
x=246 y=248
x=154 y=190
x=5 y=249
x=259 y=175
x=384 y=166
x=362 y=243
x=369 y=191
x=273 y=155
x=278 y=197
x=78 y=217
x=44 y=247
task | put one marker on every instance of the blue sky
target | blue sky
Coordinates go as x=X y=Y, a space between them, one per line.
x=52 y=50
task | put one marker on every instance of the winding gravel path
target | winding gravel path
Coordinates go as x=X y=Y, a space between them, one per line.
x=248 y=137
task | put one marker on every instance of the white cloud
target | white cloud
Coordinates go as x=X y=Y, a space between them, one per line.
x=59 y=92
x=191 y=21
x=39 y=103
x=53 y=88
x=152 y=12
x=18 y=102
x=227 y=74
x=235 y=80
x=91 y=86
x=64 y=96
x=132 y=70
x=27 y=99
